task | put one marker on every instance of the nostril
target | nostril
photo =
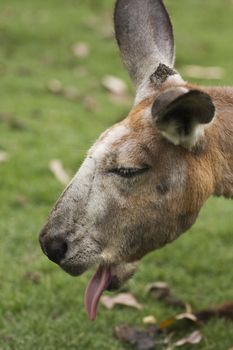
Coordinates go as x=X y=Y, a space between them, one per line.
x=55 y=249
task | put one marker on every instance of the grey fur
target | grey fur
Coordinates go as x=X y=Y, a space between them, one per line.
x=144 y=35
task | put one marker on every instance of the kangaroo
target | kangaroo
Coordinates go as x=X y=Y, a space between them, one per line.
x=146 y=178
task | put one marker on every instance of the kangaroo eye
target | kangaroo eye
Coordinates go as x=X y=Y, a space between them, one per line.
x=129 y=172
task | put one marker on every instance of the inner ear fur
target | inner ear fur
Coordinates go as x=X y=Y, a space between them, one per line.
x=182 y=115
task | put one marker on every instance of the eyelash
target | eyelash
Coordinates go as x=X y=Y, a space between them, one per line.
x=128 y=172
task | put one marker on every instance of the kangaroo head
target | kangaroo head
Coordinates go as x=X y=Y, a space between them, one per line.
x=144 y=181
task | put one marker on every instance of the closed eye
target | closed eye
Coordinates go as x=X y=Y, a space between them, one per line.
x=128 y=172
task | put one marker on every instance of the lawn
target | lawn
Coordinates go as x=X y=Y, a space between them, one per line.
x=41 y=308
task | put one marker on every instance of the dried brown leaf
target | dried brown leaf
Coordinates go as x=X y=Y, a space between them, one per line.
x=149 y=320
x=189 y=308
x=194 y=338
x=33 y=276
x=158 y=289
x=71 y=93
x=58 y=171
x=161 y=291
x=55 y=86
x=174 y=320
x=222 y=311
x=80 y=50
x=3 y=156
x=90 y=103
x=167 y=323
x=126 y=299
x=12 y=121
x=186 y=316
x=114 y=85
x=213 y=73
x=141 y=339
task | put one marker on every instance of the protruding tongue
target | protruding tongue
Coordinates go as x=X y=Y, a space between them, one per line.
x=95 y=289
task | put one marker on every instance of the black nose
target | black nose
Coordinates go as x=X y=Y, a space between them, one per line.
x=54 y=248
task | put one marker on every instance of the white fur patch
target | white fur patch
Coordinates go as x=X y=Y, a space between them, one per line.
x=145 y=90
x=99 y=150
x=187 y=141
x=84 y=178
x=175 y=80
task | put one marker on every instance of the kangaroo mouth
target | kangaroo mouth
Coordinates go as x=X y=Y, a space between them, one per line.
x=100 y=281
x=107 y=277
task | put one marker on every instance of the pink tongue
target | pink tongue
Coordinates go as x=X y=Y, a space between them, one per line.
x=95 y=289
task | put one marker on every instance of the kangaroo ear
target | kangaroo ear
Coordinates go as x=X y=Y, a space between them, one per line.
x=145 y=37
x=182 y=116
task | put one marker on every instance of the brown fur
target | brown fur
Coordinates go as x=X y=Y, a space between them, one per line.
x=106 y=218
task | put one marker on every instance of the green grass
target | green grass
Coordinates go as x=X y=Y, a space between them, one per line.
x=37 y=126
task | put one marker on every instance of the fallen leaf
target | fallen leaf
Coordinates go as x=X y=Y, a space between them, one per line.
x=149 y=320
x=125 y=299
x=55 y=86
x=114 y=85
x=158 y=285
x=161 y=291
x=71 y=93
x=56 y=314
x=12 y=121
x=186 y=316
x=189 y=308
x=194 y=338
x=222 y=311
x=90 y=103
x=3 y=156
x=58 y=171
x=141 y=339
x=214 y=73
x=167 y=323
x=158 y=289
x=80 y=50
x=174 y=320
x=33 y=276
